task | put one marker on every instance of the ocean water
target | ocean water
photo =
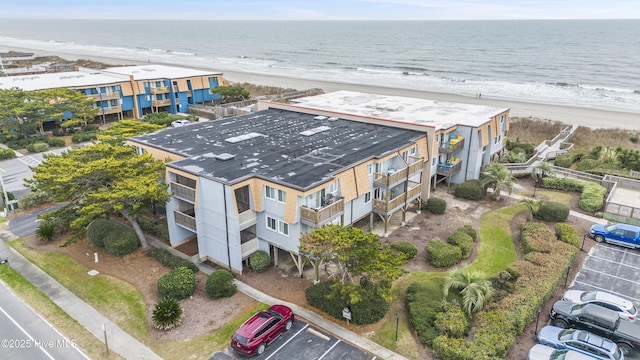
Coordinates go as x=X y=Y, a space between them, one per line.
x=584 y=63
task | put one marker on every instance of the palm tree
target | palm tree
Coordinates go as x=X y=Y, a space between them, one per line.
x=542 y=170
x=532 y=205
x=498 y=176
x=474 y=288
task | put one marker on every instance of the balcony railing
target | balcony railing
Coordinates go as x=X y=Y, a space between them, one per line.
x=451 y=146
x=388 y=206
x=249 y=247
x=159 y=103
x=185 y=220
x=414 y=191
x=393 y=177
x=449 y=169
x=159 y=90
x=247 y=218
x=183 y=192
x=111 y=109
x=318 y=216
x=105 y=96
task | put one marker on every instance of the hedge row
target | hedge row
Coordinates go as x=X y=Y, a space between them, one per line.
x=166 y=258
x=592 y=194
x=552 y=211
x=370 y=309
x=458 y=246
x=567 y=159
x=497 y=326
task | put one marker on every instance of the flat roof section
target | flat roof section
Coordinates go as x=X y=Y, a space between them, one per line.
x=152 y=72
x=433 y=113
x=68 y=79
x=276 y=145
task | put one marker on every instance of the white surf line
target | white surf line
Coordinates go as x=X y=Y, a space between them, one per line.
x=286 y=342
x=607 y=290
x=328 y=351
x=26 y=333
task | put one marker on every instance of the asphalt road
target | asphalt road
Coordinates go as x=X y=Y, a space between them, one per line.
x=25 y=335
x=26 y=225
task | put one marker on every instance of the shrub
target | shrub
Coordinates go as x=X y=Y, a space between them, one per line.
x=436 y=206
x=34 y=199
x=406 y=248
x=37 y=147
x=567 y=159
x=592 y=197
x=470 y=231
x=167 y=314
x=123 y=243
x=441 y=254
x=166 y=258
x=370 y=309
x=53 y=142
x=452 y=321
x=84 y=137
x=470 y=190
x=552 y=211
x=46 y=231
x=462 y=240
x=562 y=184
x=536 y=237
x=322 y=296
x=567 y=233
x=259 y=261
x=423 y=304
x=220 y=284
x=178 y=284
x=98 y=230
x=152 y=226
x=7 y=154
x=587 y=164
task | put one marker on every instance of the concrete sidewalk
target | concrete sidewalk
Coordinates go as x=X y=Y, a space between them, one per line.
x=119 y=341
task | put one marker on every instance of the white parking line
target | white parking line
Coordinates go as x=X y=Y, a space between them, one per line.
x=607 y=290
x=328 y=351
x=620 y=249
x=613 y=276
x=616 y=262
x=286 y=342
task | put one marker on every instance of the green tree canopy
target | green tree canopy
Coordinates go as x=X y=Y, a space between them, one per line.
x=232 y=93
x=102 y=179
x=123 y=129
x=359 y=255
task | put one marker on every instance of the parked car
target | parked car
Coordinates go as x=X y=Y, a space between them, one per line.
x=625 y=308
x=544 y=352
x=619 y=234
x=260 y=330
x=598 y=320
x=581 y=341
x=179 y=123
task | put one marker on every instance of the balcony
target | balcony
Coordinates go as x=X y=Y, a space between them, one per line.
x=387 y=206
x=249 y=247
x=323 y=214
x=105 y=96
x=448 y=169
x=183 y=192
x=111 y=109
x=159 y=90
x=393 y=177
x=247 y=218
x=185 y=220
x=451 y=146
x=414 y=191
x=161 y=103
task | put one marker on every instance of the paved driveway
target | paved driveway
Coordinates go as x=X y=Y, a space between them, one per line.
x=613 y=269
x=303 y=341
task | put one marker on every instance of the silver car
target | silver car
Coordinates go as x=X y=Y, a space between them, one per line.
x=625 y=308
x=543 y=352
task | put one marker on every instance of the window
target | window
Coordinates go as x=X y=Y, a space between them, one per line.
x=413 y=151
x=270 y=192
x=278 y=225
x=271 y=223
x=370 y=169
x=367 y=197
x=282 y=196
x=433 y=161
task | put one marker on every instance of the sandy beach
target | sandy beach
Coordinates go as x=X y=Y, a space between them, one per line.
x=593 y=118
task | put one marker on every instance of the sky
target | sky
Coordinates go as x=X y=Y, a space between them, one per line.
x=321 y=9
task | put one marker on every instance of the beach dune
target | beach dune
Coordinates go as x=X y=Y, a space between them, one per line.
x=592 y=118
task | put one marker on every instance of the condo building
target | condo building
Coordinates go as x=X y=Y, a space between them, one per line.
x=259 y=181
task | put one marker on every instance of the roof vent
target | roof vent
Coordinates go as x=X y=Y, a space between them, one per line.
x=319 y=117
x=314 y=131
x=243 y=137
x=333 y=118
x=225 y=156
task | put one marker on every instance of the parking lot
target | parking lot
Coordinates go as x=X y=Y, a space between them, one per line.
x=303 y=341
x=613 y=269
